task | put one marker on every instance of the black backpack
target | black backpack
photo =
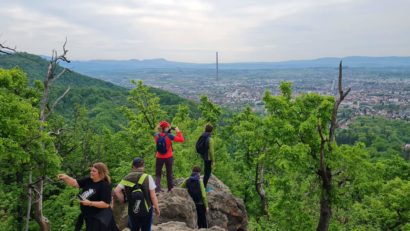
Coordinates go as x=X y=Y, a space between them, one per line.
x=194 y=189
x=162 y=144
x=202 y=146
x=137 y=203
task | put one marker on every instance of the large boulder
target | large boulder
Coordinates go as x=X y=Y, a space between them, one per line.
x=176 y=205
x=178 y=212
x=226 y=211
x=120 y=212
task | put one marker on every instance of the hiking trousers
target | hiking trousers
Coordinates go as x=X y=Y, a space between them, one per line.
x=207 y=171
x=201 y=216
x=158 y=171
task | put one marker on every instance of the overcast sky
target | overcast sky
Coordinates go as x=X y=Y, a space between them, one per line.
x=193 y=30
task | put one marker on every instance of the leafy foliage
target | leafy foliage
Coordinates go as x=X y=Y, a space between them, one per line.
x=371 y=177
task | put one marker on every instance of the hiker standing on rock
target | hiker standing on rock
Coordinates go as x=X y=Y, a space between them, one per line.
x=139 y=189
x=164 y=154
x=196 y=190
x=205 y=147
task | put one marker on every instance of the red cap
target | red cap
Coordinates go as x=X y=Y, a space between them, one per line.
x=164 y=124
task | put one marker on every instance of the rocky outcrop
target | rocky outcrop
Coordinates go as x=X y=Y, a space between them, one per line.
x=180 y=226
x=178 y=210
x=176 y=206
x=226 y=211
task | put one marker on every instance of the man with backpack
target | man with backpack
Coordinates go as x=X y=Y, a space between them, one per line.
x=164 y=154
x=196 y=190
x=205 y=148
x=139 y=190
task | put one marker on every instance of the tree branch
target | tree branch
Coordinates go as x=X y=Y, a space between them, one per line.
x=59 y=75
x=6 y=50
x=56 y=102
x=342 y=95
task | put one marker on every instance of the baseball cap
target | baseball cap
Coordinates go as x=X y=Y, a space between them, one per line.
x=138 y=162
x=164 y=124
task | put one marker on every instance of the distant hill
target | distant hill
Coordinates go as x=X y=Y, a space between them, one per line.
x=102 y=99
x=127 y=66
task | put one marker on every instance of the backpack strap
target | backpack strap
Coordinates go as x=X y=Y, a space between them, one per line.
x=140 y=182
x=132 y=184
x=142 y=178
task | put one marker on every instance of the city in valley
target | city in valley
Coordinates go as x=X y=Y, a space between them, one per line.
x=374 y=91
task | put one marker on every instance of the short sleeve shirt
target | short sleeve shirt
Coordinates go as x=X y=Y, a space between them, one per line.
x=94 y=191
x=133 y=178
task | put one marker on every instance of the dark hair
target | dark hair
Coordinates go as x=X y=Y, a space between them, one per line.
x=196 y=168
x=103 y=171
x=209 y=128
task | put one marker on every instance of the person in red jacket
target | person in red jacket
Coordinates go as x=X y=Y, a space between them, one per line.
x=164 y=156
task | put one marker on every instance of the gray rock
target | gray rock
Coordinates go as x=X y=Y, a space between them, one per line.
x=180 y=226
x=178 y=210
x=176 y=205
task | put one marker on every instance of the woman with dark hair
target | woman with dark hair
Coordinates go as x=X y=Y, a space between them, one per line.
x=95 y=198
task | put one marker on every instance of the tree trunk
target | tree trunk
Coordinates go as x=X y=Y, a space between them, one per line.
x=38 y=206
x=325 y=172
x=259 y=187
x=22 y=197
x=30 y=195
x=325 y=205
x=42 y=221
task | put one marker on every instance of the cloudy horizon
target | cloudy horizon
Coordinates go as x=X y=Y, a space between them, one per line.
x=192 y=31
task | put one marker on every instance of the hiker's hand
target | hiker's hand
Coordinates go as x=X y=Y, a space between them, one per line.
x=207 y=210
x=177 y=129
x=157 y=212
x=86 y=202
x=62 y=176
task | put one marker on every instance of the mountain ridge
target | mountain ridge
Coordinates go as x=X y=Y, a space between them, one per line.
x=325 y=62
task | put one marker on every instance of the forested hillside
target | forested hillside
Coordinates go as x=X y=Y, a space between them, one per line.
x=100 y=99
x=283 y=163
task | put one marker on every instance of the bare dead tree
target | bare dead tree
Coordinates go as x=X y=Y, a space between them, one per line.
x=6 y=50
x=36 y=188
x=324 y=171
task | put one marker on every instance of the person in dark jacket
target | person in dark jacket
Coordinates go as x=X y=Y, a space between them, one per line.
x=209 y=158
x=196 y=190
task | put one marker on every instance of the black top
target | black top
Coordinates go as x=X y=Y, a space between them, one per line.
x=94 y=191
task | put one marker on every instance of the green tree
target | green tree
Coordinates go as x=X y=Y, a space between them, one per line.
x=24 y=147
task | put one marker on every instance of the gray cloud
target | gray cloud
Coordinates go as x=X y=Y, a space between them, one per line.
x=241 y=30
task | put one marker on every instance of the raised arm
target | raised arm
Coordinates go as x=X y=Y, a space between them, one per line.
x=68 y=180
x=179 y=137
